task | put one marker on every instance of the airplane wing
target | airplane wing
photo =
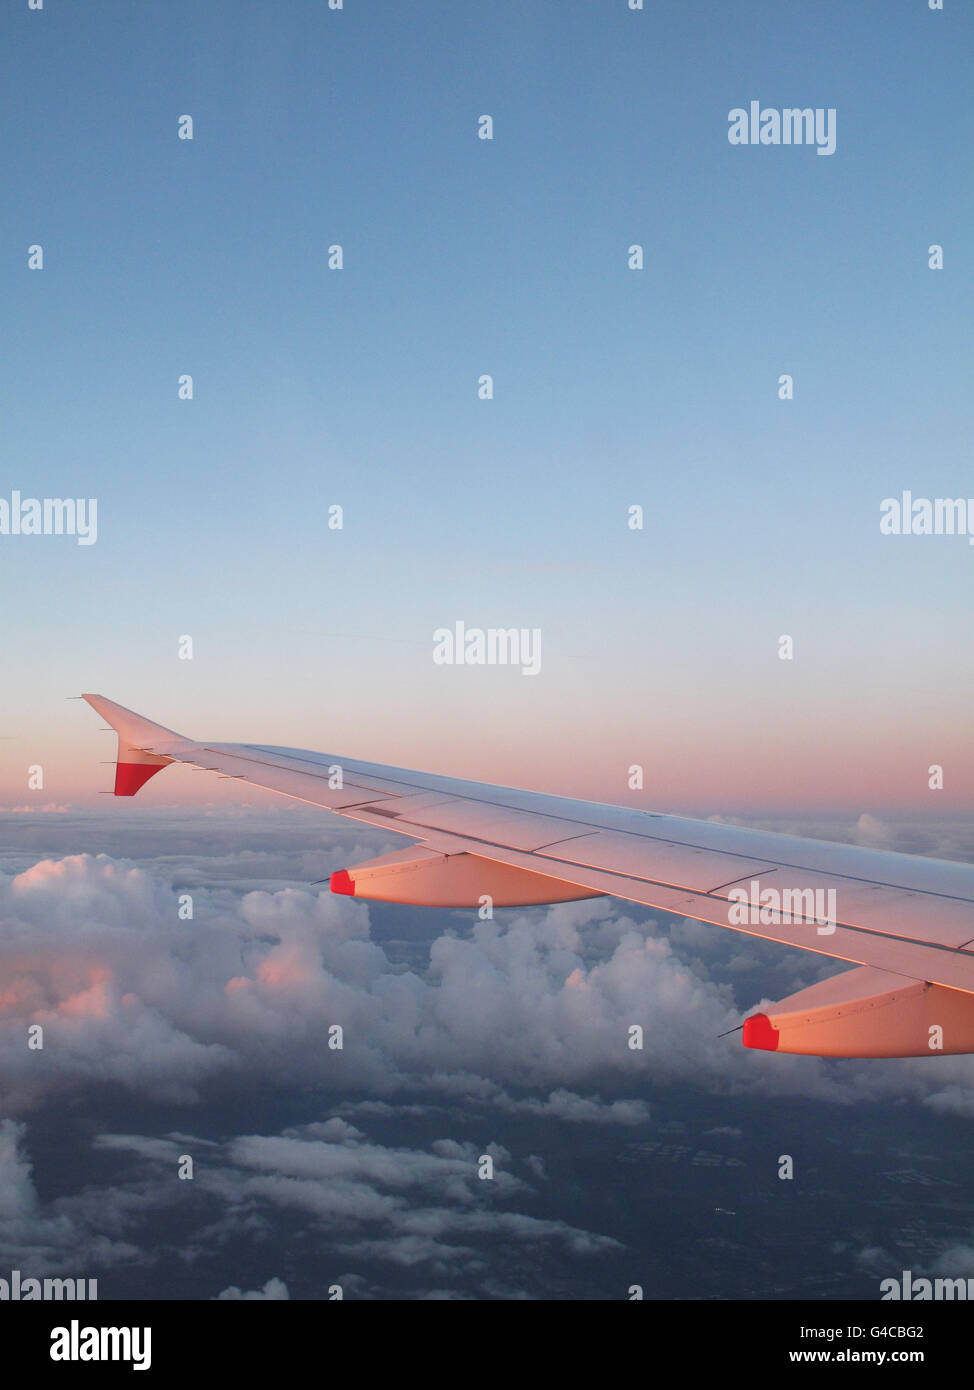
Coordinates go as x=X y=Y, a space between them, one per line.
x=906 y=922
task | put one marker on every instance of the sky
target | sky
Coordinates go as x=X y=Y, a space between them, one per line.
x=316 y=387
x=759 y=647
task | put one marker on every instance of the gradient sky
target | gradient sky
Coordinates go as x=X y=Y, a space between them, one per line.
x=612 y=387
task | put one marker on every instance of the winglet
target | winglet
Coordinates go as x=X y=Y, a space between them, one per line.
x=135 y=762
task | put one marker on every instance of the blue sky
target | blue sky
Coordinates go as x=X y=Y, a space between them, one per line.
x=612 y=387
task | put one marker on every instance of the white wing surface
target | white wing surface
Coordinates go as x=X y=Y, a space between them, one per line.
x=908 y=922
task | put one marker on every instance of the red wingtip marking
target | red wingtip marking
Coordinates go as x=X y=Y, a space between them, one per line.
x=129 y=777
x=341 y=883
x=758 y=1032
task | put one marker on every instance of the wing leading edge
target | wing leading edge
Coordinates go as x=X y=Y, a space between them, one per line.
x=907 y=922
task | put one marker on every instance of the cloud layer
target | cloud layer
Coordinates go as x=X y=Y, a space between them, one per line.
x=129 y=990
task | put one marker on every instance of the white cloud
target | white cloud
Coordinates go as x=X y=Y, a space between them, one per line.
x=275 y=1289
x=542 y=1000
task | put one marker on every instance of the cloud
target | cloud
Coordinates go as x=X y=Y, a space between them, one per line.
x=871 y=832
x=425 y=1208
x=94 y=949
x=464 y=1028
x=48 y=1239
x=566 y=1105
x=954 y=1262
x=274 y=1289
x=18 y=1200
x=533 y=1009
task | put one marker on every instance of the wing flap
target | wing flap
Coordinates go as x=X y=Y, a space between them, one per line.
x=866 y=1013
x=423 y=876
